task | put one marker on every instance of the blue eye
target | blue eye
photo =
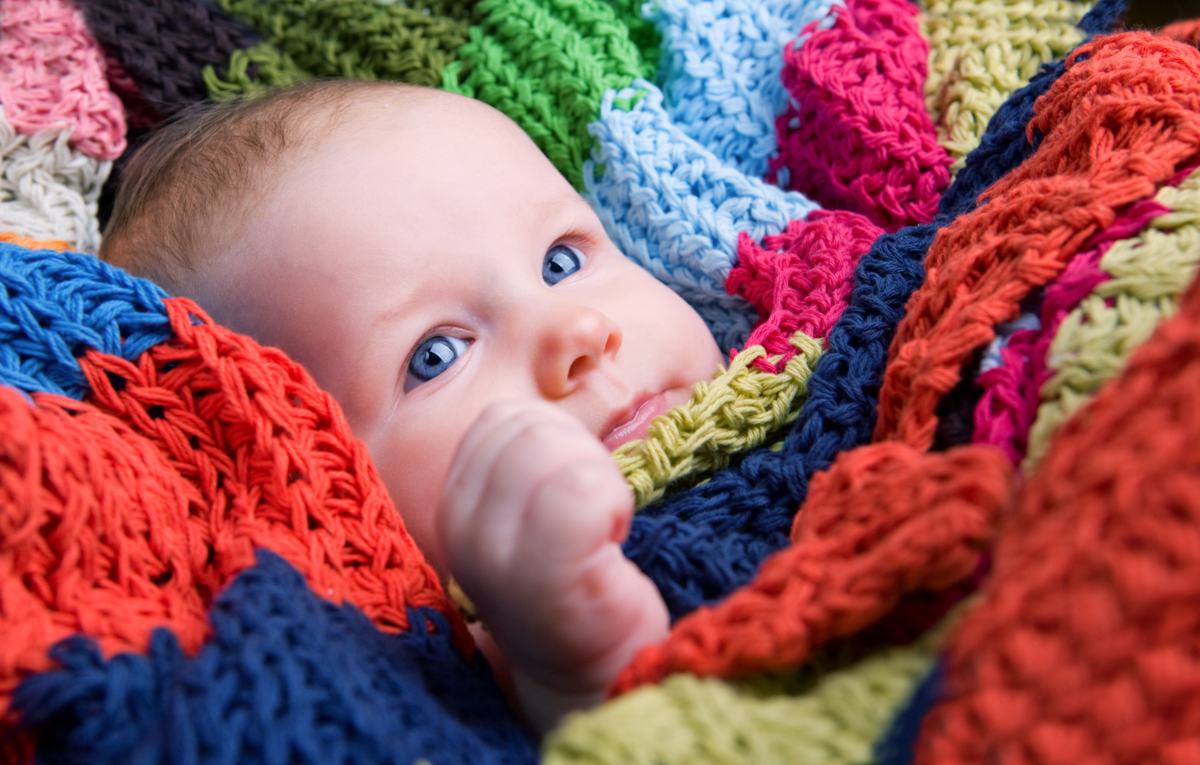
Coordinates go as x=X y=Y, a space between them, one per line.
x=561 y=261
x=432 y=357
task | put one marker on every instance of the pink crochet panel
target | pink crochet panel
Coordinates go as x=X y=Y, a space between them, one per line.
x=52 y=76
x=857 y=135
x=800 y=279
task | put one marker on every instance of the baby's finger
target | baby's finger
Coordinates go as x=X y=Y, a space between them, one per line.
x=541 y=452
x=583 y=506
x=501 y=470
x=488 y=436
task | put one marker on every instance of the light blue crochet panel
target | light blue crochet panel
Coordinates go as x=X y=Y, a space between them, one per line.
x=721 y=68
x=676 y=209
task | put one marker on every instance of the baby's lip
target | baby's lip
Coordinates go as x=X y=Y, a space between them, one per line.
x=631 y=422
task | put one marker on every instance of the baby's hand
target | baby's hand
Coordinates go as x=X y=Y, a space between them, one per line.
x=531 y=521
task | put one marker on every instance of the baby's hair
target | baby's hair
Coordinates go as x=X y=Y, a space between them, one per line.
x=187 y=192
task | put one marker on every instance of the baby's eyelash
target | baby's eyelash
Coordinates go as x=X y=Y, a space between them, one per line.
x=578 y=236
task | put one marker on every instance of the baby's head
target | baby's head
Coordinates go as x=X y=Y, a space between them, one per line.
x=421 y=257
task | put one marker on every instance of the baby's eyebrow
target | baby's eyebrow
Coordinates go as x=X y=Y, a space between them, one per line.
x=395 y=310
x=556 y=207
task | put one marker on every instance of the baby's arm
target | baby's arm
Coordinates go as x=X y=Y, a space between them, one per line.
x=531 y=521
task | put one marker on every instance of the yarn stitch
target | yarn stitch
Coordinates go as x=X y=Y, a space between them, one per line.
x=687 y=719
x=860 y=78
x=52 y=75
x=324 y=680
x=800 y=280
x=701 y=544
x=991 y=258
x=163 y=46
x=1088 y=616
x=547 y=64
x=906 y=535
x=721 y=69
x=739 y=410
x=981 y=51
x=1093 y=343
x=800 y=292
x=49 y=190
x=1008 y=406
x=359 y=40
x=676 y=209
x=366 y=696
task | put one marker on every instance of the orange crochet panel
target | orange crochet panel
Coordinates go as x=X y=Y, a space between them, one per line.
x=1086 y=645
x=11 y=237
x=1141 y=124
x=130 y=511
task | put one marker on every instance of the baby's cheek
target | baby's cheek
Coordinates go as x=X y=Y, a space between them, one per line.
x=414 y=485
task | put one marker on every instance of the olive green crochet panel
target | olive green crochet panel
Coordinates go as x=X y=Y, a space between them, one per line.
x=410 y=43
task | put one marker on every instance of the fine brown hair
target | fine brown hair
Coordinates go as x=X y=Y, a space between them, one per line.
x=188 y=191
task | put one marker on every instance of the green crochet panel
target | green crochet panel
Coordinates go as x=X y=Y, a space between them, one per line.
x=361 y=39
x=547 y=64
x=831 y=717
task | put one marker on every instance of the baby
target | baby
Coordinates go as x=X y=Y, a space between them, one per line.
x=462 y=303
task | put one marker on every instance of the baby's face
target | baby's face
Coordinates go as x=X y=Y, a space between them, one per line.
x=429 y=261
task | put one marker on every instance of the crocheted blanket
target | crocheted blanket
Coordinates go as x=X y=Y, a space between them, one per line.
x=942 y=505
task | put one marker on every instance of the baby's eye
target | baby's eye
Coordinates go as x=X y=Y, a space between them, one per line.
x=561 y=261
x=433 y=356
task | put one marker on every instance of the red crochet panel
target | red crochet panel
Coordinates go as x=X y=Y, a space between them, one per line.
x=1086 y=646
x=133 y=509
x=1115 y=129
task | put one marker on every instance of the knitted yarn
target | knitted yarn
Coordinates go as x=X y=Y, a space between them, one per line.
x=737 y=411
x=868 y=535
x=49 y=190
x=1010 y=399
x=1036 y=217
x=547 y=64
x=856 y=135
x=701 y=544
x=676 y=209
x=159 y=489
x=163 y=46
x=800 y=280
x=800 y=291
x=830 y=721
x=247 y=591
x=52 y=75
x=53 y=308
x=1183 y=31
x=57 y=245
x=285 y=676
x=1084 y=647
x=641 y=30
x=721 y=66
x=268 y=456
x=332 y=38
x=1093 y=343
x=981 y=51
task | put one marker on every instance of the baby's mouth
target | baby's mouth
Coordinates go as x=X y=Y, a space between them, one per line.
x=635 y=425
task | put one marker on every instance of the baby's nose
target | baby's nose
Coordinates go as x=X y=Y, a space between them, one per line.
x=573 y=342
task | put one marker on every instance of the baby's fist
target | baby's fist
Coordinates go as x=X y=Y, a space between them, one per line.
x=531 y=520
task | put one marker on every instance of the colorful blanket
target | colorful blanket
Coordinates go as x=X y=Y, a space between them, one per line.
x=942 y=505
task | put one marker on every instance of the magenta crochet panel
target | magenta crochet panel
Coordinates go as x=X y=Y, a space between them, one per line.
x=800 y=280
x=857 y=135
